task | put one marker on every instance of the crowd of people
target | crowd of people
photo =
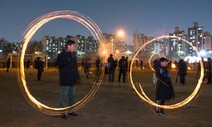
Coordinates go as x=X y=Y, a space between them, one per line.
x=69 y=75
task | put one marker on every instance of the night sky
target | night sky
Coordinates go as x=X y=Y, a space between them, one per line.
x=151 y=17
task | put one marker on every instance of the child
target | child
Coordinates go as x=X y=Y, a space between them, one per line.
x=164 y=89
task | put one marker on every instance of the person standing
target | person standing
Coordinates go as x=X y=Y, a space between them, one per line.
x=164 y=89
x=182 y=71
x=39 y=67
x=122 y=67
x=111 y=67
x=68 y=75
x=209 y=70
x=126 y=65
x=8 y=64
x=141 y=64
x=28 y=64
x=98 y=63
x=86 y=68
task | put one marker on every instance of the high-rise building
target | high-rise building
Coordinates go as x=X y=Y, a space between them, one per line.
x=176 y=47
x=140 y=39
x=195 y=36
x=161 y=46
x=52 y=45
x=207 y=41
x=114 y=43
x=92 y=45
x=1 y=46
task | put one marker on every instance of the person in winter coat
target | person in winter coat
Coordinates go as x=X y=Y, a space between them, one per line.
x=208 y=71
x=68 y=76
x=182 y=71
x=86 y=68
x=8 y=64
x=98 y=65
x=122 y=68
x=111 y=68
x=39 y=67
x=164 y=89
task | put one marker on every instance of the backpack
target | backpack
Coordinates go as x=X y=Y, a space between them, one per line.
x=122 y=64
x=154 y=79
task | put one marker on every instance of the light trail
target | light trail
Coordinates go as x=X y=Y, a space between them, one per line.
x=145 y=98
x=27 y=35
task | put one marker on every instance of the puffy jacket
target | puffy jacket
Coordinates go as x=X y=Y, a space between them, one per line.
x=68 y=68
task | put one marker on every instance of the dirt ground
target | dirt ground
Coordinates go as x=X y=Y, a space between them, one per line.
x=114 y=105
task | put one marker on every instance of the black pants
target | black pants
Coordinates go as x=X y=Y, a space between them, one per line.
x=122 y=72
x=157 y=109
x=111 y=75
x=97 y=70
x=39 y=75
x=182 y=79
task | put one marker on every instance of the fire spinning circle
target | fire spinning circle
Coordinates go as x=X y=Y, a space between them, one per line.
x=27 y=35
x=146 y=99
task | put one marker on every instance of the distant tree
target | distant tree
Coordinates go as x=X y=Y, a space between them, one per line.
x=7 y=48
x=34 y=46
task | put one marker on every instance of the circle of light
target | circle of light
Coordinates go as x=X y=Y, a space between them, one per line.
x=146 y=99
x=27 y=35
x=150 y=65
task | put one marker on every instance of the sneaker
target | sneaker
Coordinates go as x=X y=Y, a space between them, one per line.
x=162 y=113
x=72 y=114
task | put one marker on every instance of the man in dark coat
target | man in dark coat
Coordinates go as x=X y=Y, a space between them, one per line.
x=111 y=68
x=68 y=75
x=39 y=67
x=182 y=71
x=164 y=89
x=122 y=68
x=209 y=70
x=8 y=64
x=98 y=64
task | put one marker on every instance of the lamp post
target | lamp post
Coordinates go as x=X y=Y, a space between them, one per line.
x=120 y=35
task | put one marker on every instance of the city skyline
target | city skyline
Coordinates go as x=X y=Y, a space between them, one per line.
x=152 y=18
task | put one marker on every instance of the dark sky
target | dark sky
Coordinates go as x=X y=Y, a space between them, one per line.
x=151 y=17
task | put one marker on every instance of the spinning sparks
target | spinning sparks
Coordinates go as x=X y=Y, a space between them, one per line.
x=27 y=35
x=142 y=94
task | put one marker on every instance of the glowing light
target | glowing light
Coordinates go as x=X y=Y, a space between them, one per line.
x=173 y=66
x=203 y=53
x=117 y=51
x=103 y=52
x=192 y=59
x=120 y=33
x=189 y=68
x=128 y=52
x=27 y=35
x=142 y=94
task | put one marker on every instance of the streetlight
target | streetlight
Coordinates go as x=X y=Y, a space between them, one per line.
x=120 y=33
x=119 y=36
